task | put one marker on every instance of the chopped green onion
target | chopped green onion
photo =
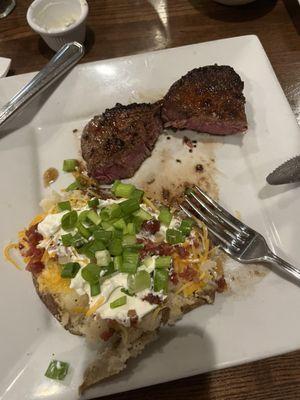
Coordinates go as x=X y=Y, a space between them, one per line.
x=117 y=234
x=129 y=240
x=110 y=269
x=115 y=184
x=111 y=212
x=106 y=224
x=130 y=262
x=123 y=189
x=115 y=247
x=188 y=191
x=174 y=236
x=186 y=226
x=70 y=165
x=69 y=220
x=93 y=203
x=91 y=273
x=134 y=247
x=118 y=302
x=78 y=240
x=64 y=205
x=143 y=215
x=85 y=249
x=137 y=194
x=57 y=370
x=120 y=224
x=138 y=222
x=130 y=228
x=165 y=216
x=95 y=289
x=129 y=206
x=103 y=235
x=103 y=258
x=163 y=262
x=67 y=240
x=140 y=281
x=96 y=245
x=82 y=217
x=148 y=261
x=93 y=217
x=118 y=260
x=83 y=230
x=126 y=291
x=74 y=186
x=161 y=277
x=70 y=270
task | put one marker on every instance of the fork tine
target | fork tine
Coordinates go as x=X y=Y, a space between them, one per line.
x=219 y=239
x=224 y=214
x=232 y=232
x=223 y=236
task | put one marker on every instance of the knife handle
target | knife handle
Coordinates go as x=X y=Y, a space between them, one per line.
x=62 y=61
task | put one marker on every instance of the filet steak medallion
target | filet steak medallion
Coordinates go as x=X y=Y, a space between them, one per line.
x=207 y=99
x=115 y=144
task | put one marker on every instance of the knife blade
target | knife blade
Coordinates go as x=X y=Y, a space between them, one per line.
x=62 y=61
x=288 y=172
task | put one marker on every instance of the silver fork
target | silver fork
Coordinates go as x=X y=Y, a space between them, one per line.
x=237 y=239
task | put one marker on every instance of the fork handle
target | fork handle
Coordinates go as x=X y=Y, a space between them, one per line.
x=283 y=265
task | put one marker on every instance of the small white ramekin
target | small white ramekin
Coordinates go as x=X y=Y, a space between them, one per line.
x=58 y=21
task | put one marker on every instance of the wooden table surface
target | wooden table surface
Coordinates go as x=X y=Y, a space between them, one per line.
x=123 y=27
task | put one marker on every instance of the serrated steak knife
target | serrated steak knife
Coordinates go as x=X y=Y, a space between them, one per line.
x=288 y=172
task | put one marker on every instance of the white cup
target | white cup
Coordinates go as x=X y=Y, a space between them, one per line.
x=58 y=21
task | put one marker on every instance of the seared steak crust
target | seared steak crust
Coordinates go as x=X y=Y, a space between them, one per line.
x=207 y=99
x=115 y=144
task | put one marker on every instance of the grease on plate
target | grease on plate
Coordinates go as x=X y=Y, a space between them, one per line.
x=50 y=176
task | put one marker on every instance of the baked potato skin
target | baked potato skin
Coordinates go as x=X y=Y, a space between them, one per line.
x=53 y=305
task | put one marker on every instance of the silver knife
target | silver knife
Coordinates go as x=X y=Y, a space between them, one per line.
x=62 y=61
x=288 y=172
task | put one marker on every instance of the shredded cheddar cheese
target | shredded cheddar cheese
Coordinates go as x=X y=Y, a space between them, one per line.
x=193 y=287
x=95 y=307
x=37 y=219
x=79 y=310
x=191 y=261
x=49 y=279
x=8 y=256
x=150 y=204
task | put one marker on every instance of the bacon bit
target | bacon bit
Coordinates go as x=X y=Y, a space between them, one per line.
x=189 y=274
x=33 y=237
x=21 y=246
x=152 y=248
x=187 y=142
x=222 y=285
x=174 y=277
x=152 y=298
x=35 y=266
x=34 y=252
x=182 y=251
x=151 y=226
x=133 y=317
x=107 y=334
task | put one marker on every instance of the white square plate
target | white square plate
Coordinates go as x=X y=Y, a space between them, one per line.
x=258 y=322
